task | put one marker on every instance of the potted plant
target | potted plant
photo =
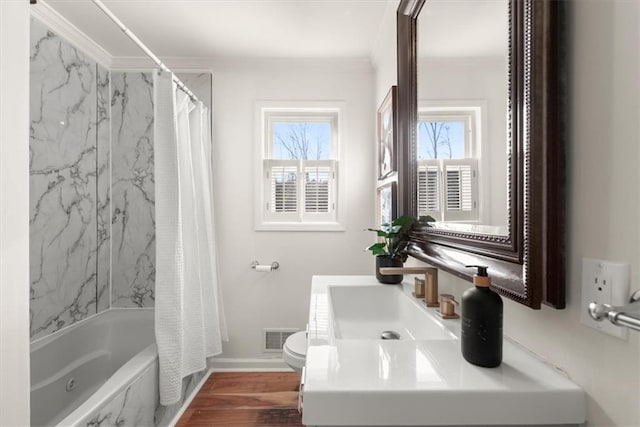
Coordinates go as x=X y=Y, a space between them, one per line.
x=391 y=251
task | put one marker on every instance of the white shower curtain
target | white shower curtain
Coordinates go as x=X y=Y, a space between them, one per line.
x=189 y=319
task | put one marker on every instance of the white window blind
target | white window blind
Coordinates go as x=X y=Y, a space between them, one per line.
x=459 y=187
x=428 y=187
x=284 y=188
x=447 y=189
x=300 y=190
x=317 y=182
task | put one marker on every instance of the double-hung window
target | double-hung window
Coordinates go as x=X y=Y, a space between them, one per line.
x=447 y=167
x=299 y=168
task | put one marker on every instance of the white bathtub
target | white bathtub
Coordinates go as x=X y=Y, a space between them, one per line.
x=79 y=370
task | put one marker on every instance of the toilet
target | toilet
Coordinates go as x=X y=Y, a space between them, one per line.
x=294 y=351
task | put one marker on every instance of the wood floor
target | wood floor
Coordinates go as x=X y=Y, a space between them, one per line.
x=245 y=399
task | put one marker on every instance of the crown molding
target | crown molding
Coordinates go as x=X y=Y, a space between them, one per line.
x=145 y=63
x=65 y=29
x=192 y=64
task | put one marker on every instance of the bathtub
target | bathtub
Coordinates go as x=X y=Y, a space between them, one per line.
x=102 y=371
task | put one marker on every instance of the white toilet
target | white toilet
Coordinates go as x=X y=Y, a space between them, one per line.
x=294 y=351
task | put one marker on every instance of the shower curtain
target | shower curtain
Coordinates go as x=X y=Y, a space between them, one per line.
x=189 y=319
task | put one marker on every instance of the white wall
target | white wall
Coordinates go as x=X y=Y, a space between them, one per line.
x=603 y=217
x=384 y=54
x=254 y=301
x=14 y=213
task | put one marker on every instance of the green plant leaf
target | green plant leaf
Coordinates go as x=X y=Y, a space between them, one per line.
x=396 y=237
x=377 y=249
x=379 y=233
x=378 y=245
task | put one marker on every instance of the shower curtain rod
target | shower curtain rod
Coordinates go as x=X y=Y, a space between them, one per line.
x=144 y=48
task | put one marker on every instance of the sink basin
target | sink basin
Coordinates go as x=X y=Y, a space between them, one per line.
x=371 y=312
x=421 y=378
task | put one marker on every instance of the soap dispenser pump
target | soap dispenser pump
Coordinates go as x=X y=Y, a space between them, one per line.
x=481 y=331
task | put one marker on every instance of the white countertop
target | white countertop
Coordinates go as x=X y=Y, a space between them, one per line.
x=407 y=382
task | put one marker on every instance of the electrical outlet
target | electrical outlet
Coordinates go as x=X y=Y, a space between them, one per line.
x=604 y=282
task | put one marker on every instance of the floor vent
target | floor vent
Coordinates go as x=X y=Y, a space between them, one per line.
x=274 y=339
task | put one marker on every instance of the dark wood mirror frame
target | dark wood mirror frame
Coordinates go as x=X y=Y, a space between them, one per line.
x=527 y=265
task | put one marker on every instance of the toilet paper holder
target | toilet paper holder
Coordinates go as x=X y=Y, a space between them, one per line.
x=274 y=265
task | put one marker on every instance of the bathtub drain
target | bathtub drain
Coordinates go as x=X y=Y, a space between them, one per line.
x=71 y=384
x=390 y=335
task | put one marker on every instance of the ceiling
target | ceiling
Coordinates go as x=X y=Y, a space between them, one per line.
x=234 y=28
x=286 y=28
x=464 y=28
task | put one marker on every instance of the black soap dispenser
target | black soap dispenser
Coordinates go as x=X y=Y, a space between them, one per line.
x=481 y=331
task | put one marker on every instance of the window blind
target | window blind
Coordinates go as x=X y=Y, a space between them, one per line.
x=447 y=189
x=300 y=190
x=316 y=188
x=459 y=187
x=284 y=189
x=428 y=187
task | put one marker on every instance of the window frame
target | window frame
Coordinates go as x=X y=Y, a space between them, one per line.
x=468 y=117
x=270 y=112
x=473 y=113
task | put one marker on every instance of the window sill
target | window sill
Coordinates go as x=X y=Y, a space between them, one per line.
x=299 y=226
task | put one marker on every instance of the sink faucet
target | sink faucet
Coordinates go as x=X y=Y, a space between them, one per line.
x=431 y=280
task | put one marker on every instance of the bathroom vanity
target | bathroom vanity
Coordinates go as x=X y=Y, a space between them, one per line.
x=354 y=377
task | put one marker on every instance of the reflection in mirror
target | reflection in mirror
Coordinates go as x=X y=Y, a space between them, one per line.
x=462 y=143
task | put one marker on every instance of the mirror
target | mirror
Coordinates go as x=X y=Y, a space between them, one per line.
x=507 y=115
x=462 y=143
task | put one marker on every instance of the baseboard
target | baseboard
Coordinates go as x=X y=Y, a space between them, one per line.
x=248 y=365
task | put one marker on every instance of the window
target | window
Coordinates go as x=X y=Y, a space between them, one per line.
x=447 y=167
x=299 y=165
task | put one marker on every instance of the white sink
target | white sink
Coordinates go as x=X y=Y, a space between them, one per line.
x=365 y=312
x=352 y=377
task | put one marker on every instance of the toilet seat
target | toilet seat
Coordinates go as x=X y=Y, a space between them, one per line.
x=294 y=351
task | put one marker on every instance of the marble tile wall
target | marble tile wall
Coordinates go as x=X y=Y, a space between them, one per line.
x=104 y=188
x=133 y=186
x=63 y=184
x=132 y=190
x=92 y=184
x=139 y=403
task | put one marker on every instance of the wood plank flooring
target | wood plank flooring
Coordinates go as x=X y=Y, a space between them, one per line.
x=266 y=399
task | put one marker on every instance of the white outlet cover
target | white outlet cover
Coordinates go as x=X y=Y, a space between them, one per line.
x=604 y=282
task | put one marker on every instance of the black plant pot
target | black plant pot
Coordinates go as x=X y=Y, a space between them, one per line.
x=388 y=279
